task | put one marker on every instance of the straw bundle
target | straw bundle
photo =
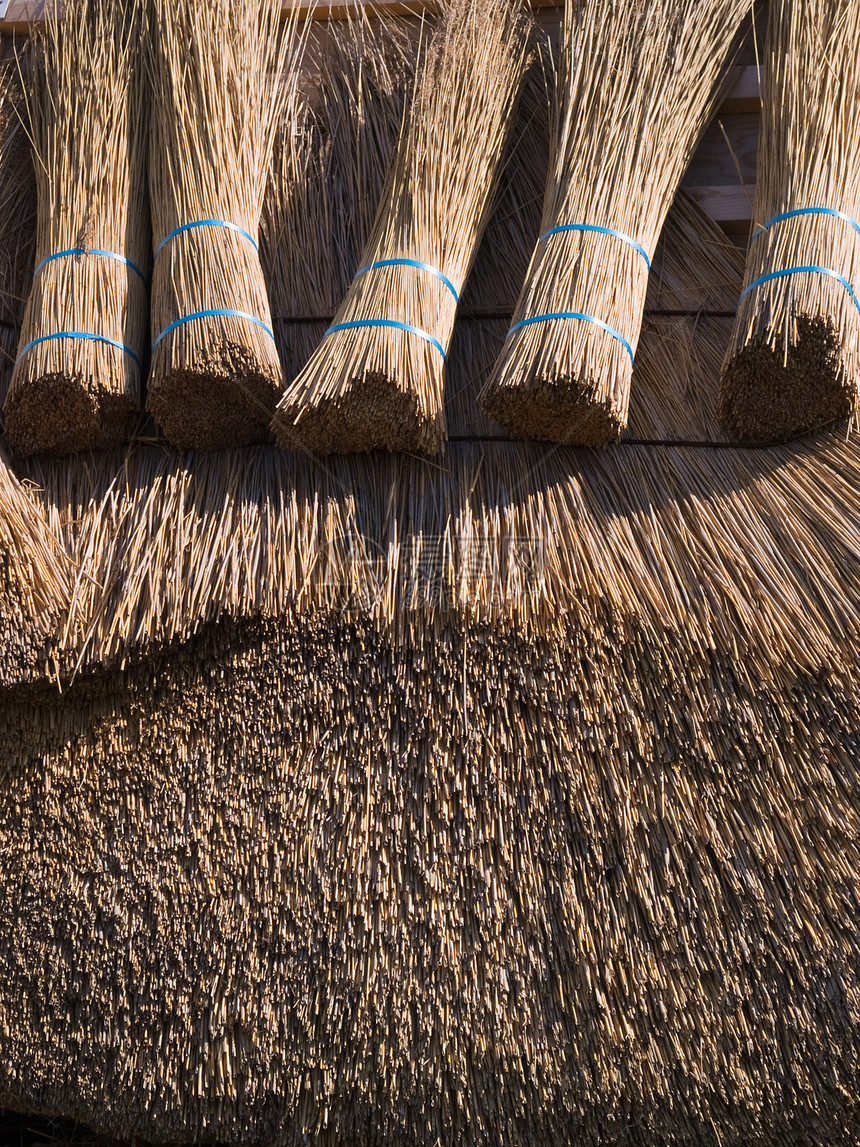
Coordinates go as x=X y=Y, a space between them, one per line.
x=794 y=361
x=331 y=156
x=626 y=131
x=17 y=217
x=77 y=382
x=377 y=379
x=218 y=97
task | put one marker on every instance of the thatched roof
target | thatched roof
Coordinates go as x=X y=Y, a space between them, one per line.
x=510 y=797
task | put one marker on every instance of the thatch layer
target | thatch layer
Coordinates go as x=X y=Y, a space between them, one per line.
x=311 y=884
x=755 y=553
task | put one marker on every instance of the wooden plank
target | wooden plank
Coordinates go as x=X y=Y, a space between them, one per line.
x=727 y=154
x=745 y=94
x=730 y=206
x=338 y=9
x=21 y=14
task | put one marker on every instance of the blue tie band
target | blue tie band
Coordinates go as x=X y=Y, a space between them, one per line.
x=418 y=265
x=79 y=335
x=575 y=315
x=356 y=324
x=92 y=251
x=207 y=223
x=795 y=270
x=807 y=211
x=600 y=231
x=213 y=314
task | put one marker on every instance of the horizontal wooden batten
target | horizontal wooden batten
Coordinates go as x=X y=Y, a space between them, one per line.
x=730 y=205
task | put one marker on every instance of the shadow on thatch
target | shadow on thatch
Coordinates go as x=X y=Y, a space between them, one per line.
x=36 y=1131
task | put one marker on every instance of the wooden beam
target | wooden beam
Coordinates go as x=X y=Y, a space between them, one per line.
x=744 y=96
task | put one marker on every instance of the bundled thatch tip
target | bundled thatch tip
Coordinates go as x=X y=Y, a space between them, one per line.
x=77 y=381
x=377 y=379
x=219 y=93
x=638 y=82
x=794 y=361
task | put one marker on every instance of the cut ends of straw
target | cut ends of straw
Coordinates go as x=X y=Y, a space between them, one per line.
x=773 y=394
x=60 y=413
x=554 y=407
x=219 y=388
x=563 y=378
x=359 y=393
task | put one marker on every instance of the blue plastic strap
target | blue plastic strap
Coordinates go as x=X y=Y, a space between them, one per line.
x=600 y=231
x=357 y=323
x=92 y=251
x=79 y=335
x=794 y=270
x=212 y=314
x=413 y=263
x=206 y=223
x=575 y=315
x=808 y=211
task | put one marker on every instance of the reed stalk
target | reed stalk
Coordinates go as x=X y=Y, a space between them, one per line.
x=334 y=147
x=377 y=378
x=77 y=382
x=17 y=217
x=794 y=360
x=219 y=89
x=627 y=129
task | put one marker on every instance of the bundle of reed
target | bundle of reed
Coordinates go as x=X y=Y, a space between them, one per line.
x=218 y=95
x=794 y=360
x=333 y=150
x=696 y=277
x=377 y=379
x=76 y=384
x=626 y=131
x=17 y=216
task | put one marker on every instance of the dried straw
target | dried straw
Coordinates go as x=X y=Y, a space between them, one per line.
x=288 y=886
x=17 y=217
x=333 y=150
x=377 y=379
x=510 y=797
x=77 y=383
x=218 y=97
x=626 y=131
x=794 y=361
